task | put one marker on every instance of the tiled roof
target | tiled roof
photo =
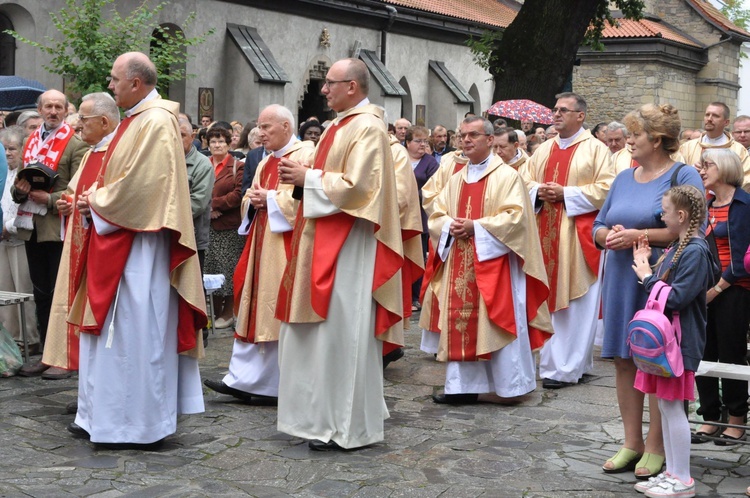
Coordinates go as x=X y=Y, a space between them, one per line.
x=644 y=29
x=490 y=12
x=715 y=16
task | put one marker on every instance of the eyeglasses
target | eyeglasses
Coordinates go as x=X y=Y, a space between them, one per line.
x=420 y=141
x=741 y=132
x=84 y=118
x=328 y=83
x=472 y=135
x=563 y=110
x=216 y=143
x=705 y=165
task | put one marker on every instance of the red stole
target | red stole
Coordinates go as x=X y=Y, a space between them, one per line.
x=550 y=219
x=79 y=244
x=269 y=180
x=429 y=270
x=50 y=151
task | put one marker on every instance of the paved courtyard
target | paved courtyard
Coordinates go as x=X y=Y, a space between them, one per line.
x=551 y=445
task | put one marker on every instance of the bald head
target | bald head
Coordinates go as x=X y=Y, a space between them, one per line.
x=347 y=84
x=53 y=107
x=133 y=76
x=276 y=125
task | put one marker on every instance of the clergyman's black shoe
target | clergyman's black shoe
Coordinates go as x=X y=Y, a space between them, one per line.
x=456 y=399
x=222 y=388
x=316 y=445
x=555 y=384
x=132 y=446
x=71 y=408
x=394 y=355
x=78 y=431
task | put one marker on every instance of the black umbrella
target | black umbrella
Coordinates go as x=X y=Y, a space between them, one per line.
x=19 y=93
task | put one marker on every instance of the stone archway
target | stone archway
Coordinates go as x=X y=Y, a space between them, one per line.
x=17 y=18
x=174 y=90
x=311 y=102
x=7 y=47
x=476 y=107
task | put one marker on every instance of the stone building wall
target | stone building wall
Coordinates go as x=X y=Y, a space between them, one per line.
x=613 y=89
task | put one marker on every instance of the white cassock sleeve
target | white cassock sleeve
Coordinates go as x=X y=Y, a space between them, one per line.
x=446 y=241
x=532 y=194
x=316 y=203
x=575 y=202
x=488 y=247
x=276 y=219
x=101 y=226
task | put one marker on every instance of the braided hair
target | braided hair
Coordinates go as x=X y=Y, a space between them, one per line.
x=690 y=199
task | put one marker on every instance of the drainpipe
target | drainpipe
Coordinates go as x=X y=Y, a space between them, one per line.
x=392 y=13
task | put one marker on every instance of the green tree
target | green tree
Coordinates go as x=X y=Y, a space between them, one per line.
x=734 y=10
x=93 y=33
x=534 y=57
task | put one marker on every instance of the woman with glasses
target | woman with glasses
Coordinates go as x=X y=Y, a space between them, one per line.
x=14 y=267
x=729 y=300
x=632 y=211
x=424 y=166
x=225 y=244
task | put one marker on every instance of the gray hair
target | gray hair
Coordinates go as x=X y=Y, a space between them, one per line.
x=183 y=121
x=489 y=129
x=25 y=116
x=728 y=164
x=12 y=134
x=282 y=113
x=616 y=125
x=104 y=105
x=141 y=68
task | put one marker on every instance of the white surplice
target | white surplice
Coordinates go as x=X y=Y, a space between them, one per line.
x=132 y=383
x=331 y=383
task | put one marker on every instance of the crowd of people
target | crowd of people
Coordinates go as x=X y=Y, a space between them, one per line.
x=330 y=235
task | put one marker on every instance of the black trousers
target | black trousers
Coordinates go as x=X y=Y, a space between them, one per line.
x=416 y=287
x=44 y=260
x=726 y=341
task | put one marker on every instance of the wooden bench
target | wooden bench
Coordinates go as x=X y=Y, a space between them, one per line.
x=722 y=371
x=18 y=298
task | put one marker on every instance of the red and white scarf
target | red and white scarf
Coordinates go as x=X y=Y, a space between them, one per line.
x=49 y=151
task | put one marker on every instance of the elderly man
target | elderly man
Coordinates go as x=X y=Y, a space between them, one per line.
x=617 y=134
x=440 y=145
x=29 y=121
x=506 y=146
x=550 y=132
x=99 y=117
x=527 y=126
x=55 y=146
x=254 y=367
x=489 y=279
x=715 y=121
x=568 y=179
x=401 y=125
x=201 y=183
x=141 y=303
x=341 y=296
x=741 y=130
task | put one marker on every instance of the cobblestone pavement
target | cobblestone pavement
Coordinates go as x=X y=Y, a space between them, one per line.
x=551 y=445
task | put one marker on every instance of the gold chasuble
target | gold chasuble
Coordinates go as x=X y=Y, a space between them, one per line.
x=411 y=224
x=450 y=164
x=570 y=256
x=476 y=314
x=144 y=189
x=61 y=346
x=692 y=149
x=259 y=271
x=359 y=179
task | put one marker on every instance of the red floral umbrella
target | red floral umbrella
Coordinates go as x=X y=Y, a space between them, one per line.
x=522 y=109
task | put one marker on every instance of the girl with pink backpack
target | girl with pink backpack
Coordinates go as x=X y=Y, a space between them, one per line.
x=687 y=267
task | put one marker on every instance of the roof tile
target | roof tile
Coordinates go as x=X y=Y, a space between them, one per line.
x=490 y=12
x=644 y=29
x=717 y=17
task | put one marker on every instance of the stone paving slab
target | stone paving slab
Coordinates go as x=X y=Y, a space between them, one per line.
x=551 y=445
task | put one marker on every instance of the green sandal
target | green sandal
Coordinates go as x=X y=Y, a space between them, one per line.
x=624 y=460
x=652 y=463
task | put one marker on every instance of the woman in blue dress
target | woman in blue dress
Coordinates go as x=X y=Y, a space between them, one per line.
x=632 y=211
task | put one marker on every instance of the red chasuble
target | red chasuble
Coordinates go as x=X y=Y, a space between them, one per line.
x=558 y=167
x=269 y=180
x=79 y=244
x=429 y=270
x=331 y=233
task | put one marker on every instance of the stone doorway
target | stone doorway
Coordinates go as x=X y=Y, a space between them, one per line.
x=313 y=103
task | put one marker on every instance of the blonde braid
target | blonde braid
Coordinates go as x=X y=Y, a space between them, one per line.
x=692 y=200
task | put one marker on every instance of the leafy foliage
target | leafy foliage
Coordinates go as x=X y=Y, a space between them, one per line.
x=738 y=15
x=94 y=33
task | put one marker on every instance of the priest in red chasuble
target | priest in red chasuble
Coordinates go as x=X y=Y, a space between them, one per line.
x=254 y=367
x=341 y=294
x=99 y=118
x=488 y=277
x=141 y=307
x=568 y=178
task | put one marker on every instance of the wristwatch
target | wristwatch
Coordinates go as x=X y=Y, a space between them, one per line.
x=718 y=289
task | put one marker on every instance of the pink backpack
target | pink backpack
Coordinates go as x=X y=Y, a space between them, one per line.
x=654 y=340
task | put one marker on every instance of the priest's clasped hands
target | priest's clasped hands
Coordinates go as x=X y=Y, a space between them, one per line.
x=462 y=228
x=550 y=192
x=65 y=203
